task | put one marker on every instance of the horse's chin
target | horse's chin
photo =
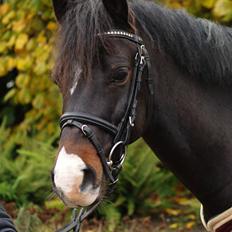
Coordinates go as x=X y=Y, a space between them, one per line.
x=81 y=199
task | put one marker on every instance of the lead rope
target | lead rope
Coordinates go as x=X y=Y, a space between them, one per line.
x=78 y=218
x=75 y=223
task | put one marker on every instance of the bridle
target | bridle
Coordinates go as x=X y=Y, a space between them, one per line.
x=113 y=162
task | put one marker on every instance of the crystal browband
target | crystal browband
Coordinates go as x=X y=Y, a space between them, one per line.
x=123 y=34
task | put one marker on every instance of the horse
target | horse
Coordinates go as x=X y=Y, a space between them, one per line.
x=137 y=69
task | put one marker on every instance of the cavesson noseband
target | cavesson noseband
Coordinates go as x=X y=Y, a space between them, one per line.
x=113 y=162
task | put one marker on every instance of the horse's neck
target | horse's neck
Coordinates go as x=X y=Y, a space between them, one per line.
x=191 y=133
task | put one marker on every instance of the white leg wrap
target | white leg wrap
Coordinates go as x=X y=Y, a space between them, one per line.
x=217 y=221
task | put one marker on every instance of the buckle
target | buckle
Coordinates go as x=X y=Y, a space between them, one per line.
x=131 y=121
x=83 y=129
x=110 y=162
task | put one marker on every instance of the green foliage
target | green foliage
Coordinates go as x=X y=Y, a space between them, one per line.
x=112 y=216
x=27 y=222
x=25 y=172
x=26 y=41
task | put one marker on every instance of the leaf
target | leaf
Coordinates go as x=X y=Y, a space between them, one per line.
x=24 y=63
x=22 y=80
x=41 y=38
x=19 y=26
x=24 y=96
x=11 y=63
x=4 y=8
x=173 y=212
x=3 y=70
x=8 y=17
x=21 y=41
x=223 y=10
x=190 y=225
x=52 y=26
x=182 y=200
x=54 y=204
x=38 y=102
x=174 y=226
x=3 y=46
x=11 y=42
x=131 y=207
x=10 y=94
x=208 y=3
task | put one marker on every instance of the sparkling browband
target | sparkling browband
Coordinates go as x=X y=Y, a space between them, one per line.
x=119 y=33
x=122 y=34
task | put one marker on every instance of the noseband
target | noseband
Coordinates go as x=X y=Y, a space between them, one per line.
x=113 y=162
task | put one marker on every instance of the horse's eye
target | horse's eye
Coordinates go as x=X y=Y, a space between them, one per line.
x=120 y=75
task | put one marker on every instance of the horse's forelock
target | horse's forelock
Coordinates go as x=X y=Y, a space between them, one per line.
x=78 y=41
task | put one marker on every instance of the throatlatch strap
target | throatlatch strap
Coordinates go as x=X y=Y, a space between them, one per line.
x=220 y=223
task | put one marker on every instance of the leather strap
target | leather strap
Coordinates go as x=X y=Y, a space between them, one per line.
x=87 y=131
x=89 y=119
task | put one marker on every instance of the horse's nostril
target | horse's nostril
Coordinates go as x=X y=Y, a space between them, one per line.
x=89 y=179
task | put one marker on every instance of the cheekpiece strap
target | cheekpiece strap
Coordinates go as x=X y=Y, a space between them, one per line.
x=139 y=41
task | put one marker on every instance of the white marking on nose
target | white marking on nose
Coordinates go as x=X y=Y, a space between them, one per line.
x=76 y=79
x=68 y=172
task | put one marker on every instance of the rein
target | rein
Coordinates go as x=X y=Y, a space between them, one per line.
x=112 y=163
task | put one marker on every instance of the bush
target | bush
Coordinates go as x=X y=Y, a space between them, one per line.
x=25 y=172
x=29 y=100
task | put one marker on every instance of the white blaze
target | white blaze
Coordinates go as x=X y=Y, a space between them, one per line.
x=73 y=87
x=76 y=79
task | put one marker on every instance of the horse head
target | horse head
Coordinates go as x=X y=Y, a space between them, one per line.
x=103 y=74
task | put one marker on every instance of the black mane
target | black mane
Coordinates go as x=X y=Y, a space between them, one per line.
x=200 y=47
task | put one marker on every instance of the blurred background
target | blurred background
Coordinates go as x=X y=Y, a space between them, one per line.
x=148 y=197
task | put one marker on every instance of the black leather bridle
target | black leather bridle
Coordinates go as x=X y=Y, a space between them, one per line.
x=113 y=162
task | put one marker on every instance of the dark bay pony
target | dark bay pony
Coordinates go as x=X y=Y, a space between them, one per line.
x=130 y=70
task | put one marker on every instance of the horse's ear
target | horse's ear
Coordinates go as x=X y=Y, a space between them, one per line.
x=60 y=8
x=118 y=11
